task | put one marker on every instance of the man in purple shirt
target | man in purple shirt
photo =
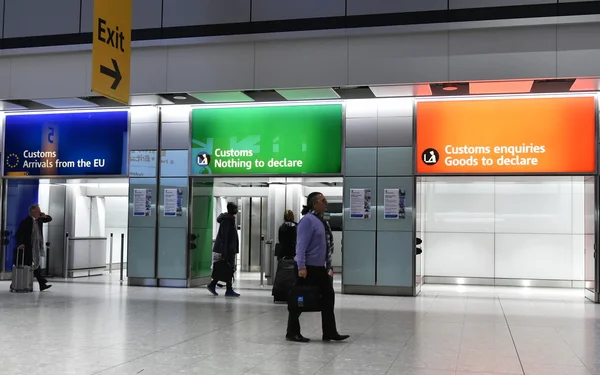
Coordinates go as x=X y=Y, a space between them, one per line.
x=313 y=255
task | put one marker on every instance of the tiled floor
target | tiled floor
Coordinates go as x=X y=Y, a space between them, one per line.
x=102 y=328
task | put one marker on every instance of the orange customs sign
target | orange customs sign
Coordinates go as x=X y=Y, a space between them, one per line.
x=507 y=136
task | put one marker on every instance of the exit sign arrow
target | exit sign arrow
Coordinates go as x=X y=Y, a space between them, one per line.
x=114 y=73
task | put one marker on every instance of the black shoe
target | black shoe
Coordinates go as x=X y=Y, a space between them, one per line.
x=336 y=337
x=45 y=287
x=297 y=338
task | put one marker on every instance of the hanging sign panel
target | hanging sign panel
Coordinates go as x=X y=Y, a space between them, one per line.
x=507 y=136
x=267 y=140
x=66 y=144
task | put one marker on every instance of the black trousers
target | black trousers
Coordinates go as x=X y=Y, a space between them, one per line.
x=214 y=283
x=318 y=276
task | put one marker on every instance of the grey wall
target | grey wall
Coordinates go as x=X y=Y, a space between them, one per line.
x=544 y=51
x=25 y=18
x=378 y=254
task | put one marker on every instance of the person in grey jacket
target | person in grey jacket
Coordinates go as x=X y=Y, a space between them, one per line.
x=227 y=246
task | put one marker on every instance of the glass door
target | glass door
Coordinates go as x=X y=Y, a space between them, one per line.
x=591 y=227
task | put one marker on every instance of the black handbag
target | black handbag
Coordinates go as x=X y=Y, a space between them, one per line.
x=222 y=271
x=304 y=298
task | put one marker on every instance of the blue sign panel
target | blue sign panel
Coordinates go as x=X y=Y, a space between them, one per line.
x=66 y=144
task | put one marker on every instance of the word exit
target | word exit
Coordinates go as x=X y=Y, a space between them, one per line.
x=113 y=37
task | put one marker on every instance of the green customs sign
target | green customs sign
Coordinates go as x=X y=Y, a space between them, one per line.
x=267 y=140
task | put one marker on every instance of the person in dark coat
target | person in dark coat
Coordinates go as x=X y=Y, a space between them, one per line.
x=227 y=246
x=287 y=236
x=30 y=237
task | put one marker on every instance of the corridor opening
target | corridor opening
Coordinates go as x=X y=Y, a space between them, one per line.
x=262 y=202
x=535 y=231
x=88 y=231
x=507 y=192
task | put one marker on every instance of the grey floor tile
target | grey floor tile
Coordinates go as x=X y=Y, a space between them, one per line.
x=98 y=327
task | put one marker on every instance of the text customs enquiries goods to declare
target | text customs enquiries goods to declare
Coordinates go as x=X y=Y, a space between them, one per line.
x=66 y=144
x=504 y=136
x=267 y=140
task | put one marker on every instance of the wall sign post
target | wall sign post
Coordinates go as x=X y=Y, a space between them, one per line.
x=111 y=49
x=278 y=140
x=66 y=144
x=507 y=136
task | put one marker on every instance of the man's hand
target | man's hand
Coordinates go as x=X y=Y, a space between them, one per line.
x=302 y=274
x=42 y=214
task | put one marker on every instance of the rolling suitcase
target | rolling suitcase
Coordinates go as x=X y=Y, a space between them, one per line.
x=22 y=275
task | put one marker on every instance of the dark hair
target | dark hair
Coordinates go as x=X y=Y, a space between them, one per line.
x=310 y=202
x=232 y=208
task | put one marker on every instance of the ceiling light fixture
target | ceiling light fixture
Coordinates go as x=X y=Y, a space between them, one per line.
x=449 y=87
x=179 y=97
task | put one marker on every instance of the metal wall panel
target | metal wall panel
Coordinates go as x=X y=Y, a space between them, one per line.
x=304 y=63
x=143 y=132
x=145 y=63
x=175 y=135
x=357 y=7
x=523 y=52
x=395 y=259
x=466 y=4
x=24 y=18
x=395 y=161
x=53 y=76
x=359 y=257
x=268 y=10
x=147 y=14
x=204 y=12
x=361 y=132
x=361 y=162
x=578 y=45
x=56 y=229
x=395 y=132
x=211 y=67
x=398 y=59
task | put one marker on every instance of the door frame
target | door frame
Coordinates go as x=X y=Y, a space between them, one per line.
x=594 y=296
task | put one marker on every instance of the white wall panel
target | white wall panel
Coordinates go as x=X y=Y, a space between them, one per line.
x=302 y=63
x=204 y=12
x=210 y=67
x=357 y=7
x=268 y=10
x=458 y=254
x=533 y=207
x=540 y=256
x=459 y=207
x=577 y=46
x=578 y=259
x=520 y=52
x=53 y=76
x=398 y=59
x=149 y=70
x=24 y=18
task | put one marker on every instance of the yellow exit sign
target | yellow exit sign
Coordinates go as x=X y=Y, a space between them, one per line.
x=111 y=49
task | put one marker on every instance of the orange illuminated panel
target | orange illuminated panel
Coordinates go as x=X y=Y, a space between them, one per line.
x=504 y=136
x=512 y=87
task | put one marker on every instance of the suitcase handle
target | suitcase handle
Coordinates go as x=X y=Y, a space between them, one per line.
x=22 y=251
